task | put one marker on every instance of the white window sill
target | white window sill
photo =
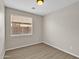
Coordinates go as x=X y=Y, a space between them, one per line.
x=20 y=35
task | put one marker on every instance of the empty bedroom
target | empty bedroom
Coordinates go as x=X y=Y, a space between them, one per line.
x=39 y=29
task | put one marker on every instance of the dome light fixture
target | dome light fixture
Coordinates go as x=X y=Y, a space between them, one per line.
x=40 y=2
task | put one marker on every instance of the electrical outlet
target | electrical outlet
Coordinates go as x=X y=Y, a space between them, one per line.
x=71 y=47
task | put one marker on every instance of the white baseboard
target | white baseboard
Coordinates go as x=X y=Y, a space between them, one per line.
x=62 y=50
x=22 y=46
x=47 y=44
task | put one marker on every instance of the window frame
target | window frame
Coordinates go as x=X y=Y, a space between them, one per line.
x=22 y=33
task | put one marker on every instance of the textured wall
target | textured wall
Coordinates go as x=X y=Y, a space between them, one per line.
x=2 y=29
x=61 y=29
x=13 y=42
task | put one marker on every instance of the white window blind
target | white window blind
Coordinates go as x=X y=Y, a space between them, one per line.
x=21 y=25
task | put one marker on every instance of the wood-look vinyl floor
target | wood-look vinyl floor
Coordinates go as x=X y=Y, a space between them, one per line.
x=38 y=51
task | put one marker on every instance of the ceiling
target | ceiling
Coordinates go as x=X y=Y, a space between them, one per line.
x=48 y=7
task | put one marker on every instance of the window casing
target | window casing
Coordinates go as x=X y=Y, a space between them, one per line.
x=21 y=25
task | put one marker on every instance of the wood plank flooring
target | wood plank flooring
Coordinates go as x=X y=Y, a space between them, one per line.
x=38 y=51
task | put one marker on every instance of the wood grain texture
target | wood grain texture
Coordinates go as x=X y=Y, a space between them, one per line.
x=38 y=51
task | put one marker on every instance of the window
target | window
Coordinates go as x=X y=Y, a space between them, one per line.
x=21 y=25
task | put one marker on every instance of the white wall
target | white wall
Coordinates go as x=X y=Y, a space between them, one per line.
x=2 y=30
x=13 y=42
x=61 y=29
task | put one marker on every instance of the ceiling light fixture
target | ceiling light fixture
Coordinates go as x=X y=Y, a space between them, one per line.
x=40 y=2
